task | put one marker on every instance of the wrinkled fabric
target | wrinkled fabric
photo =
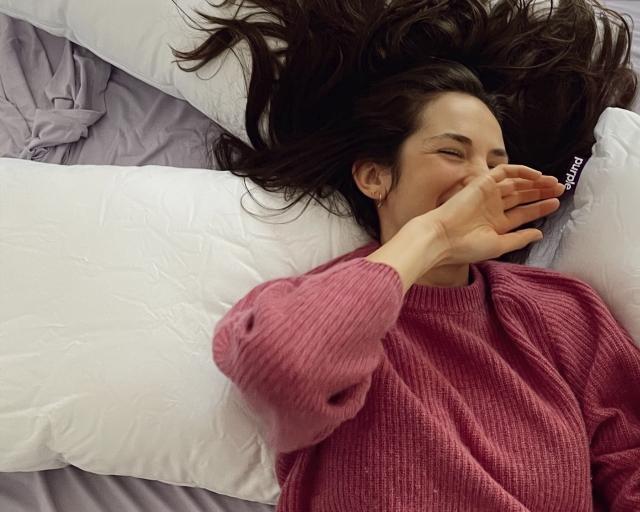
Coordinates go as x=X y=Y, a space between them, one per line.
x=144 y=126
x=60 y=103
x=47 y=100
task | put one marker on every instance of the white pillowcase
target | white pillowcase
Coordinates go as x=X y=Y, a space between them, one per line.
x=134 y=35
x=600 y=242
x=113 y=279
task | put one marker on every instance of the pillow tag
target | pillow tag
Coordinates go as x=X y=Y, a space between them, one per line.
x=574 y=173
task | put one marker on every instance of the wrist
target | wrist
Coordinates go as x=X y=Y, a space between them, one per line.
x=431 y=240
x=414 y=250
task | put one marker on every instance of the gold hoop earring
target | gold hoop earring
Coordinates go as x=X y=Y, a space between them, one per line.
x=379 y=200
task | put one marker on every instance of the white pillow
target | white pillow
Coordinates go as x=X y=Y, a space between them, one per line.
x=134 y=35
x=113 y=279
x=600 y=242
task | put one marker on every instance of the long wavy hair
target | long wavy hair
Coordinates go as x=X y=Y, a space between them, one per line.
x=349 y=78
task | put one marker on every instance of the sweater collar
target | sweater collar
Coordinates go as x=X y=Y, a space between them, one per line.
x=471 y=297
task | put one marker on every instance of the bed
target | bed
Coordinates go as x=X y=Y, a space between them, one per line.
x=117 y=119
x=114 y=119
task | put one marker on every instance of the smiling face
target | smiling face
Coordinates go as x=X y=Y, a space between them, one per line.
x=458 y=137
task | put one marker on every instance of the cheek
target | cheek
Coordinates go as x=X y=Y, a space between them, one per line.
x=425 y=190
x=425 y=180
x=439 y=179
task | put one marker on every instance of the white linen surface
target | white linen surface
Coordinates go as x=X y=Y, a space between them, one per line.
x=113 y=279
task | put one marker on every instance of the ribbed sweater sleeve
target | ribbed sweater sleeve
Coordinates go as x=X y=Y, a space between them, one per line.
x=602 y=366
x=302 y=350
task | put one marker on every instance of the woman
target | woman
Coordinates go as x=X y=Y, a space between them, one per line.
x=417 y=373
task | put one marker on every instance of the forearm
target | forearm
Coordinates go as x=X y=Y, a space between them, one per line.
x=303 y=350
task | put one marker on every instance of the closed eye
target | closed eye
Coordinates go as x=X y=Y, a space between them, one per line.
x=452 y=152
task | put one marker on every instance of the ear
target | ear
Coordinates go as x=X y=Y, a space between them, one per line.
x=371 y=178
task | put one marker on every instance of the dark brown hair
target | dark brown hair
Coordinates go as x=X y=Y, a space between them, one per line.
x=353 y=75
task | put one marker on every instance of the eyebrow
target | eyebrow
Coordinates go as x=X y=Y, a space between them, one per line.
x=468 y=142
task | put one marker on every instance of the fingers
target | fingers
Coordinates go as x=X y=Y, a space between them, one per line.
x=511 y=178
x=519 y=197
x=509 y=185
x=544 y=181
x=528 y=213
x=504 y=171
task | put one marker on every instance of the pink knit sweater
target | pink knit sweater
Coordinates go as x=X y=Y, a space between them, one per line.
x=518 y=392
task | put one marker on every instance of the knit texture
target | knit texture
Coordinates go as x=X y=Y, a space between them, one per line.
x=519 y=392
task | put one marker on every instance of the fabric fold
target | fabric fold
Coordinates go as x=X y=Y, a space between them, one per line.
x=65 y=93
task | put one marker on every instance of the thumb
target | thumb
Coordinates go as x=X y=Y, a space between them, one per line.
x=519 y=239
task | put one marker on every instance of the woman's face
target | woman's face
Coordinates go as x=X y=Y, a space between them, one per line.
x=459 y=137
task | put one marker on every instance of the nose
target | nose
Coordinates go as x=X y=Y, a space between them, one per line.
x=479 y=167
x=475 y=169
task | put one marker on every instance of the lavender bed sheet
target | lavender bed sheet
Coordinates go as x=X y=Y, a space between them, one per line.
x=61 y=104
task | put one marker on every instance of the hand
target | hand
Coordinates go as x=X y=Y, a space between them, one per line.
x=476 y=223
